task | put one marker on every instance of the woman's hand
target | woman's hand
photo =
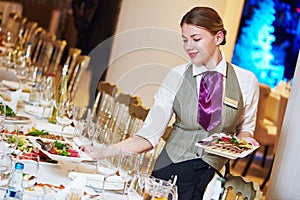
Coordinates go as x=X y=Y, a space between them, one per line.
x=247 y=137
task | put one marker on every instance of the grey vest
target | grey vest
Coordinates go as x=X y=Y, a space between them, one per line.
x=187 y=131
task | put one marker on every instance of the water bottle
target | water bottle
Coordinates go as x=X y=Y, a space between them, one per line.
x=15 y=190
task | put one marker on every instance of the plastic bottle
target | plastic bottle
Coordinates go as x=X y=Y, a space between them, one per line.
x=61 y=93
x=15 y=189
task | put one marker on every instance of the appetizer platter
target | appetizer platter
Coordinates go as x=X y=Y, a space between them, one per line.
x=226 y=146
x=25 y=145
x=59 y=150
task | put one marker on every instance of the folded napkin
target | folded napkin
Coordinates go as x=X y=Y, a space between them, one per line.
x=11 y=84
x=15 y=96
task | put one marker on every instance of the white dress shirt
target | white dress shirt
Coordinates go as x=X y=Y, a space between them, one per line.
x=162 y=109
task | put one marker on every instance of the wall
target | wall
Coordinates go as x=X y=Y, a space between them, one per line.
x=148 y=41
x=284 y=181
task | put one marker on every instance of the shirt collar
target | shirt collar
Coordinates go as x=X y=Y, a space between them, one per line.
x=221 y=68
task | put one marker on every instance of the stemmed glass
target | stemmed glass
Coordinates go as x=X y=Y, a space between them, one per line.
x=5 y=169
x=21 y=71
x=108 y=160
x=2 y=114
x=31 y=167
x=46 y=99
x=79 y=112
x=128 y=169
x=64 y=114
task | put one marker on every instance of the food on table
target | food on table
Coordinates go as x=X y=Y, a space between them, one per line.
x=46 y=187
x=58 y=148
x=227 y=143
x=44 y=134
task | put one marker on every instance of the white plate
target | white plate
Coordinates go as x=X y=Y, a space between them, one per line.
x=82 y=155
x=18 y=120
x=223 y=153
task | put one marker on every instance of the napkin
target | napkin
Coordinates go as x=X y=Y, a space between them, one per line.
x=15 y=96
x=75 y=185
x=11 y=84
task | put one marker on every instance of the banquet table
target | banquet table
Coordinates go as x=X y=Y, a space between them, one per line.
x=60 y=173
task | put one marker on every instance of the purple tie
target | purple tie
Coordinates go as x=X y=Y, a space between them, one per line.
x=210 y=100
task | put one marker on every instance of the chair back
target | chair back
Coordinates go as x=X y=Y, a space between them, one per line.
x=105 y=101
x=261 y=132
x=81 y=64
x=236 y=187
x=55 y=59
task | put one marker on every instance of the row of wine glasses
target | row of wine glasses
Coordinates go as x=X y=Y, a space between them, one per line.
x=112 y=161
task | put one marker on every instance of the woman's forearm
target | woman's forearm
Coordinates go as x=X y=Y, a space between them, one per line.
x=135 y=144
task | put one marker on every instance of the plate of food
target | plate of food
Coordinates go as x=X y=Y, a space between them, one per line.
x=43 y=191
x=227 y=146
x=17 y=119
x=59 y=150
x=23 y=145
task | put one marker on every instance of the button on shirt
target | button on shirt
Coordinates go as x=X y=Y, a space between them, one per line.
x=162 y=110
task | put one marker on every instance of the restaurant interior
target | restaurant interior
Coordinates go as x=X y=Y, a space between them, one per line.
x=117 y=54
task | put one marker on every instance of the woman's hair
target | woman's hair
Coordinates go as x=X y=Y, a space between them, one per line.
x=207 y=18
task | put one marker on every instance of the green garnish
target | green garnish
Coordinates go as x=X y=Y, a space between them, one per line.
x=38 y=132
x=9 y=111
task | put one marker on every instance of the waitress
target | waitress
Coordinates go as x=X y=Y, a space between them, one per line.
x=230 y=106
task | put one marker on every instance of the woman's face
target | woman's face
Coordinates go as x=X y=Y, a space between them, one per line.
x=201 y=46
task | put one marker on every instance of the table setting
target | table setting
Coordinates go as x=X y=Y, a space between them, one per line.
x=57 y=175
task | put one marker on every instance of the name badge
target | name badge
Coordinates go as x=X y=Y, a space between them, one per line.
x=231 y=102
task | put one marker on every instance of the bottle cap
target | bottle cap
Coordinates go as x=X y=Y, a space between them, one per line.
x=19 y=166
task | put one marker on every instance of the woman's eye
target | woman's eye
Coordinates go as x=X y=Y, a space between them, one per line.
x=196 y=39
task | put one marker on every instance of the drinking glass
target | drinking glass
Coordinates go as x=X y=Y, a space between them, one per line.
x=108 y=160
x=5 y=169
x=21 y=71
x=46 y=99
x=31 y=167
x=64 y=115
x=79 y=113
x=128 y=169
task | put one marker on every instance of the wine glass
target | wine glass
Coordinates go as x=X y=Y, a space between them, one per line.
x=108 y=160
x=64 y=114
x=2 y=114
x=21 y=71
x=31 y=167
x=46 y=99
x=5 y=169
x=128 y=169
x=79 y=112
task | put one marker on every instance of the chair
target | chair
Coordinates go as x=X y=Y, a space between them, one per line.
x=29 y=29
x=14 y=23
x=138 y=114
x=43 y=49
x=71 y=59
x=261 y=133
x=121 y=115
x=236 y=187
x=104 y=103
x=81 y=64
x=56 y=55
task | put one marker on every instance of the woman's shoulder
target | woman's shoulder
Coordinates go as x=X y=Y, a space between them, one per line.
x=243 y=73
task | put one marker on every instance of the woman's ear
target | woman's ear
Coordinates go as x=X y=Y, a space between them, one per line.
x=219 y=37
